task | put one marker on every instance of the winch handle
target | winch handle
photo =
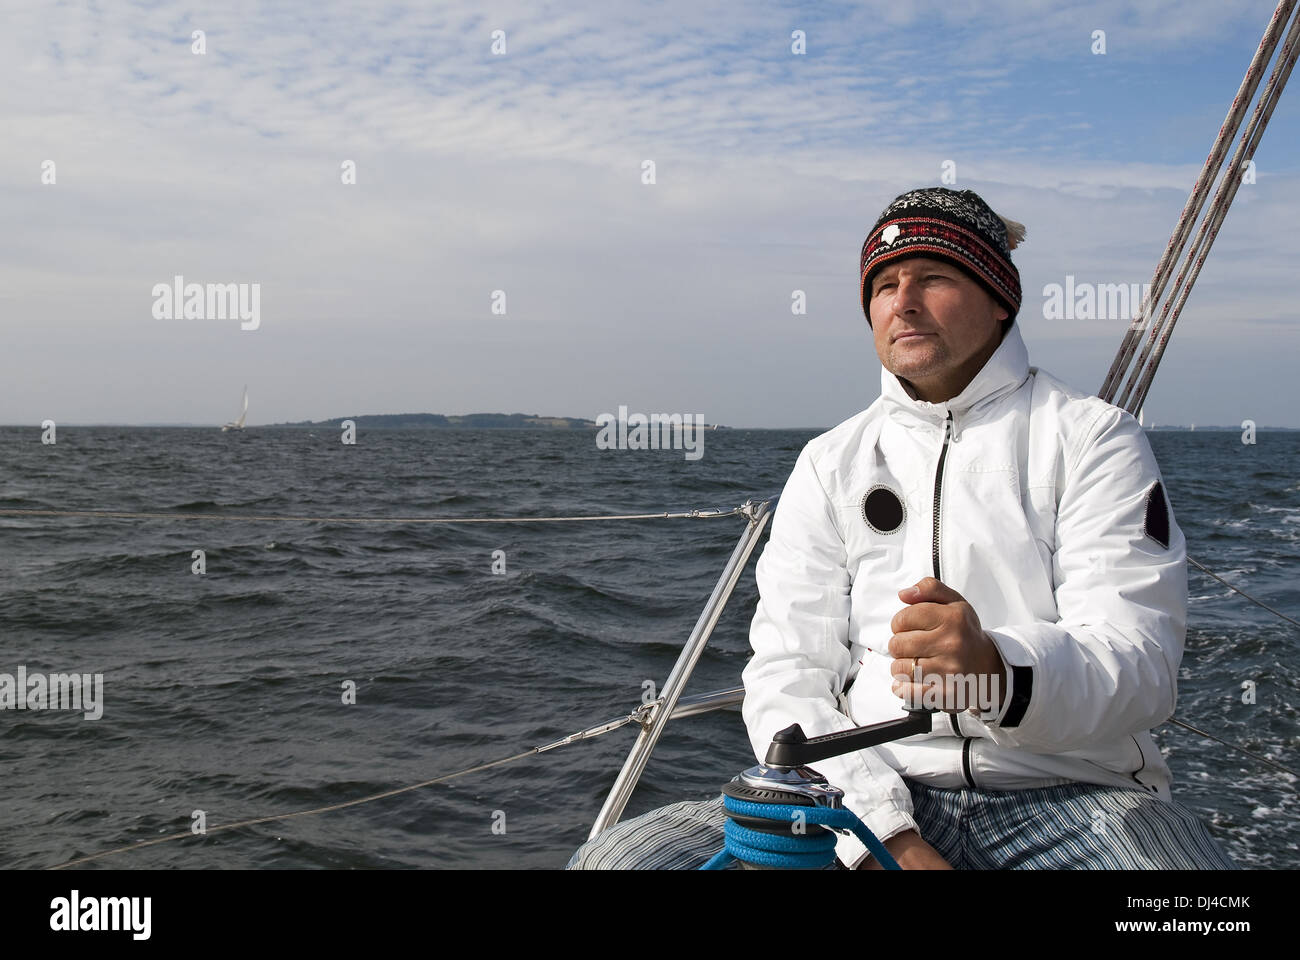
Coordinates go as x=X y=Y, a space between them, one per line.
x=790 y=748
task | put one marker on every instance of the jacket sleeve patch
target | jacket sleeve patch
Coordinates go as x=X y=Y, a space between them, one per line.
x=1156 y=525
x=883 y=509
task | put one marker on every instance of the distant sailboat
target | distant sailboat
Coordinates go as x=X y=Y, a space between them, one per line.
x=238 y=424
x=1141 y=412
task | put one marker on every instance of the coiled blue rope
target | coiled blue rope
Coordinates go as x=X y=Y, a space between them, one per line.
x=791 y=851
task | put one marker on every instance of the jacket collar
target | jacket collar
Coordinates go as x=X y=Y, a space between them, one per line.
x=1005 y=371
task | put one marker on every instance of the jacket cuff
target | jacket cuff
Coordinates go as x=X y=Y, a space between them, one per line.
x=884 y=822
x=1020 y=683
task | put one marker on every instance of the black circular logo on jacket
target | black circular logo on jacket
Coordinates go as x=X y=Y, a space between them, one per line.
x=883 y=509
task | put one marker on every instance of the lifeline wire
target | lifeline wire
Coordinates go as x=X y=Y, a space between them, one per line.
x=689 y=515
x=129 y=515
x=595 y=731
x=1276 y=613
x=598 y=730
x=1249 y=753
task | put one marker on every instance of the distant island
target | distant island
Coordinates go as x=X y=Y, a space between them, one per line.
x=470 y=421
x=1212 y=428
x=474 y=421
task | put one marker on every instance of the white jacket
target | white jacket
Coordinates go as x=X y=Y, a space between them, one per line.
x=1052 y=523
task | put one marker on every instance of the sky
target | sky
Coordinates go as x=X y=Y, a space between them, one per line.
x=500 y=250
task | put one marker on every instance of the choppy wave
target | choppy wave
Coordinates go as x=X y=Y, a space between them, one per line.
x=224 y=692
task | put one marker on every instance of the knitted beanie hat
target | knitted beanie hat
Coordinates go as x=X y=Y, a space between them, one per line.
x=954 y=226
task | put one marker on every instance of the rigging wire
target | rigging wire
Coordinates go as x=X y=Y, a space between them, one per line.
x=1196 y=200
x=1143 y=372
x=588 y=733
x=1209 y=230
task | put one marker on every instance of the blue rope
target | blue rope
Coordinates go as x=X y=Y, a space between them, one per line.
x=791 y=851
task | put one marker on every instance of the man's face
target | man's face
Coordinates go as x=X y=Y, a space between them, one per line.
x=934 y=326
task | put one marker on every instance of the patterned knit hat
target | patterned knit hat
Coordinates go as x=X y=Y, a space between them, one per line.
x=957 y=227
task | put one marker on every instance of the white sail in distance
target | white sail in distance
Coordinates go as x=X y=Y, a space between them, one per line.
x=238 y=424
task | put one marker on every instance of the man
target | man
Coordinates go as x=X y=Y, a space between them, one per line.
x=981 y=528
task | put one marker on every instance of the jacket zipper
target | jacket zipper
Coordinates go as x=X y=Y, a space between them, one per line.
x=938 y=491
x=938 y=499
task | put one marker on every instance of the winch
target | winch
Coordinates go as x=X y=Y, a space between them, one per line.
x=784 y=814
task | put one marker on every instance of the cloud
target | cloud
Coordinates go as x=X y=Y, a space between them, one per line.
x=522 y=172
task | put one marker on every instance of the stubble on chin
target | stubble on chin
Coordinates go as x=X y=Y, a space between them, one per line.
x=910 y=363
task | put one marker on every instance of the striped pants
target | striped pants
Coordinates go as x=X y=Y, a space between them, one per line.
x=1070 y=826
